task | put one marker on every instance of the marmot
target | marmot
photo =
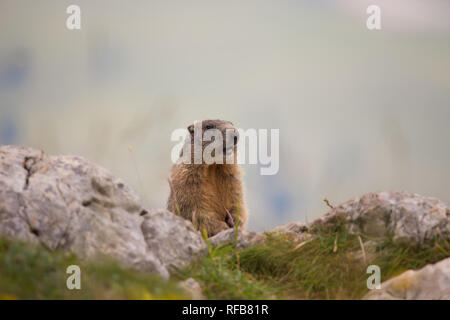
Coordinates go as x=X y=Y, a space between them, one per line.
x=209 y=195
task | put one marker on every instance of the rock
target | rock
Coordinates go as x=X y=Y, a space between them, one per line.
x=244 y=240
x=298 y=229
x=292 y=227
x=68 y=203
x=172 y=239
x=402 y=214
x=432 y=282
x=193 y=288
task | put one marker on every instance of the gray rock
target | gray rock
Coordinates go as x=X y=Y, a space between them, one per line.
x=172 y=239
x=432 y=282
x=193 y=288
x=292 y=227
x=298 y=229
x=244 y=240
x=398 y=213
x=68 y=203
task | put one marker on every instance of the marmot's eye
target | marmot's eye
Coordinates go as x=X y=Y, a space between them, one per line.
x=208 y=127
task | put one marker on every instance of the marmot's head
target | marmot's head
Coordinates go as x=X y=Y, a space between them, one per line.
x=205 y=132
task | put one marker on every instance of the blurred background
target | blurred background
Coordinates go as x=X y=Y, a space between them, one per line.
x=358 y=110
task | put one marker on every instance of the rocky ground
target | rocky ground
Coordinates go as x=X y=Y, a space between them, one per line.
x=67 y=204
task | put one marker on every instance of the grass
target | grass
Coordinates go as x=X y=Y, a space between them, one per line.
x=221 y=278
x=331 y=266
x=32 y=272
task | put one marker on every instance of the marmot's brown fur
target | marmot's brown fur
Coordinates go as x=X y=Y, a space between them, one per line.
x=209 y=195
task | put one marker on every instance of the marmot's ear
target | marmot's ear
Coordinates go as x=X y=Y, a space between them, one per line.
x=191 y=129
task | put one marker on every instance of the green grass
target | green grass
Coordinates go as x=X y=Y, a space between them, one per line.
x=32 y=272
x=221 y=277
x=281 y=269
x=330 y=266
